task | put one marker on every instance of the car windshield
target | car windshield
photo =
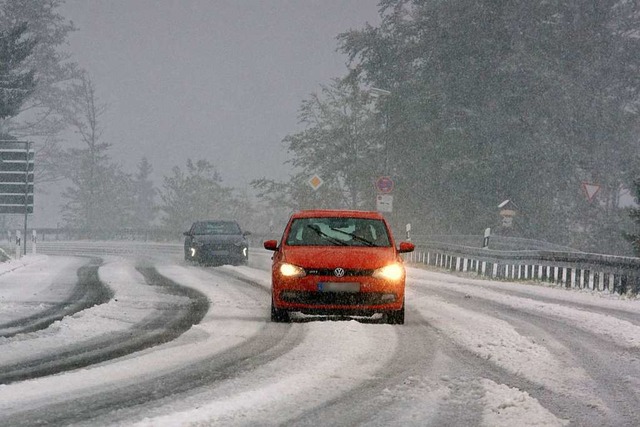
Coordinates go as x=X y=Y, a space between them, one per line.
x=213 y=227
x=337 y=232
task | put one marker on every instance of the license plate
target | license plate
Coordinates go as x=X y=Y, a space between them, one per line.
x=339 y=287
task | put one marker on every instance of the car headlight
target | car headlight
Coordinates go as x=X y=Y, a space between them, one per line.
x=393 y=271
x=290 y=270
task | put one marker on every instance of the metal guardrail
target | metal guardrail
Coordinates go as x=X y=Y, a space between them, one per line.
x=616 y=274
x=103 y=248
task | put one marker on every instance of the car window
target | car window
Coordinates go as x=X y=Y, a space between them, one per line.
x=214 y=228
x=337 y=232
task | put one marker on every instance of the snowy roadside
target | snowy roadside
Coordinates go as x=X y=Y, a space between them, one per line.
x=13 y=264
x=34 y=283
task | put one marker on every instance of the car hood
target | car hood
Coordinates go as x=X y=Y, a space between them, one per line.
x=220 y=238
x=336 y=256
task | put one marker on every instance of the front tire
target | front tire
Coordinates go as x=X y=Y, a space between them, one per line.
x=395 y=317
x=279 y=316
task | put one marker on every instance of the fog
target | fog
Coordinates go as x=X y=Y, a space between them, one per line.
x=219 y=80
x=473 y=113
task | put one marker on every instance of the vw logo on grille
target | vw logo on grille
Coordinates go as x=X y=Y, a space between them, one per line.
x=339 y=272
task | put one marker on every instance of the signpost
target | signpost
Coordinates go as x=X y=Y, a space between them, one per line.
x=384 y=199
x=16 y=179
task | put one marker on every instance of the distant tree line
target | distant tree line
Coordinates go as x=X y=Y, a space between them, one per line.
x=485 y=101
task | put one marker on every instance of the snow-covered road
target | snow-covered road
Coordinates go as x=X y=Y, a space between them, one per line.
x=472 y=352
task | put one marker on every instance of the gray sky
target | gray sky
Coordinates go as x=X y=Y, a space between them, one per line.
x=219 y=80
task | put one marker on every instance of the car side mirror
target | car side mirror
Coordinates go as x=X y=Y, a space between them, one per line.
x=246 y=233
x=406 y=247
x=271 y=245
x=186 y=233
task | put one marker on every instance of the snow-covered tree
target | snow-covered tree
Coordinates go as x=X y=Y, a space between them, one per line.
x=17 y=82
x=40 y=119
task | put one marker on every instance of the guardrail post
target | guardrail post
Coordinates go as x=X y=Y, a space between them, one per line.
x=621 y=287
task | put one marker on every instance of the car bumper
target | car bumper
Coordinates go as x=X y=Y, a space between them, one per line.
x=310 y=295
x=220 y=255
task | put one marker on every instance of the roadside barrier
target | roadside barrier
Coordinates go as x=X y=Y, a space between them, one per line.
x=616 y=274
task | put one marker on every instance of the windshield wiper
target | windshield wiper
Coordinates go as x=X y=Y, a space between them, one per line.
x=355 y=236
x=326 y=236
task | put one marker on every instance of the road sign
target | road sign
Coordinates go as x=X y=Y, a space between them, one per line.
x=384 y=184
x=590 y=190
x=384 y=203
x=315 y=182
x=16 y=177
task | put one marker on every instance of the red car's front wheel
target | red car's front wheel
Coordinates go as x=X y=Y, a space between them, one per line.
x=279 y=316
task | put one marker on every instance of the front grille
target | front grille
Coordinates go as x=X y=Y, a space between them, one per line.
x=334 y=298
x=218 y=247
x=331 y=272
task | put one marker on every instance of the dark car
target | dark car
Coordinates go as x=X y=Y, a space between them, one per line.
x=332 y=262
x=216 y=243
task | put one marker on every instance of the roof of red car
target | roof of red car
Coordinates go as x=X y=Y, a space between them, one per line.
x=319 y=213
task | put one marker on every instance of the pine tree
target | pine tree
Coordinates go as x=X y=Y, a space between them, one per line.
x=53 y=70
x=16 y=82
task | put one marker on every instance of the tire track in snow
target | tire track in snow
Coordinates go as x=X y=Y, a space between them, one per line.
x=113 y=406
x=163 y=325
x=88 y=291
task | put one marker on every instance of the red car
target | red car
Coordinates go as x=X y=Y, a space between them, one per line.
x=337 y=262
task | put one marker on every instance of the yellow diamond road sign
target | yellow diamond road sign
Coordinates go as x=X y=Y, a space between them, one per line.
x=315 y=182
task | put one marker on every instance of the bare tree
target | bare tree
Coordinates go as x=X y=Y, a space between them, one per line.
x=101 y=195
